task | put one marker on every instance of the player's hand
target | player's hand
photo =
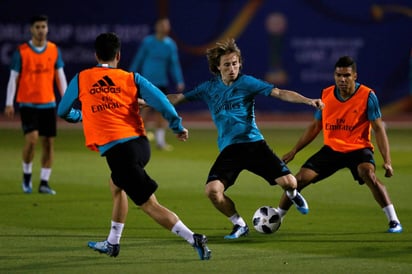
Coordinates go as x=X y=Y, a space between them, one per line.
x=180 y=87
x=175 y=98
x=9 y=111
x=183 y=136
x=317 y=103
x=388 y=170
x=141 y=102
x=288 y=156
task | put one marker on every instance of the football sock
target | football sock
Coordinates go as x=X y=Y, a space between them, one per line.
x=237 y=220
x=115 y=233
x=27 y=170
x=45 y=174
x=390 y=213
x=291 y=193
x=27 y=167
x=282 y=212
x=180 y=229
x=160 y=137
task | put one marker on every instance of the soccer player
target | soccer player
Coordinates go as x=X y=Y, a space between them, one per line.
x=35 y=66
x=230 y=98
x=156 y=60
x=113 y=127
x=351 y=110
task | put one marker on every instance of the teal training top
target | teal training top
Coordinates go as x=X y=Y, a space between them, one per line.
x=156 y=60
x=232 y=107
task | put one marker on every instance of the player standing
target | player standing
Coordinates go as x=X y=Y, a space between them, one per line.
x=35 y=66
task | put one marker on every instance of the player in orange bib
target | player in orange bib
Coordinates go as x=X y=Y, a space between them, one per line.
x=36 y=66
x=351 y=111
x=113 y=126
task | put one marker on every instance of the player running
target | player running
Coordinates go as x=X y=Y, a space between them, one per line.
x=112 y=126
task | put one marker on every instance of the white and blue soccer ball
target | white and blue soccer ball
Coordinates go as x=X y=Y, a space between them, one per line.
x=266 y=220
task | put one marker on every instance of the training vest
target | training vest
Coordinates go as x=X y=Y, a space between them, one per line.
x=36 y=79
x=345 y=124
x=109 y=106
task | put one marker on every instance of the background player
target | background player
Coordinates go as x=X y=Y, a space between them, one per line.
x=35 y=66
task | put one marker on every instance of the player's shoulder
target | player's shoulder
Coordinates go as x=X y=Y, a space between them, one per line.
x=250 y=80
x=149 y=39
x=169 y=42
x=365 y=90
x=23 y=46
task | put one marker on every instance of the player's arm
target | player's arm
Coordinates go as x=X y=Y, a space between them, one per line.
x=137 y=61
x=61 y=80
x=308 y=136
x=175 y=68
x=65 y=109
x=294 y=97
x=375 y=116
x=176 y=98
x=15 y=68
x=11 y=92
x=383 y=145
x=155 y=98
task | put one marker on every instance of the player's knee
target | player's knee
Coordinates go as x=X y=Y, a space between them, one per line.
x=287 y=182
x=214 y=190
x=368 y=175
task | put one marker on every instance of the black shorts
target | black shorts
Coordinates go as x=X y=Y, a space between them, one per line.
x=256 y=157
x=326 y=162
x=41 y=119
x=127 y=161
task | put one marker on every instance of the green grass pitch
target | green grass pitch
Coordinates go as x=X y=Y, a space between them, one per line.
x=343 y=233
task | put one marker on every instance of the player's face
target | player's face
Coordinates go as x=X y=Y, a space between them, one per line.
x=229 y=67
x=345 y=79
x=39 y=31
x=163 y=27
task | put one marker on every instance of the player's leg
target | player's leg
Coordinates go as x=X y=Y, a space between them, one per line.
x=223 y=174
x=29 y=123
x=30 y=141
x=161 y=127
x=303 y=178
x=46 y=164
x=320 y=165
x=48 y=131
x=111 y=246
x=366 y=172
x=265 y=163
x=126 y=161
x=215 y=191
x=145 y=114
x=160 y=133
x=289 y=184
x=169 y=220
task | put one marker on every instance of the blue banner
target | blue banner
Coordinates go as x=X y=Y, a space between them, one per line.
x=293 y=44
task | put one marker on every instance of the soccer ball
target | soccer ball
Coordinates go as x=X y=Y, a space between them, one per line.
x=266 y=220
